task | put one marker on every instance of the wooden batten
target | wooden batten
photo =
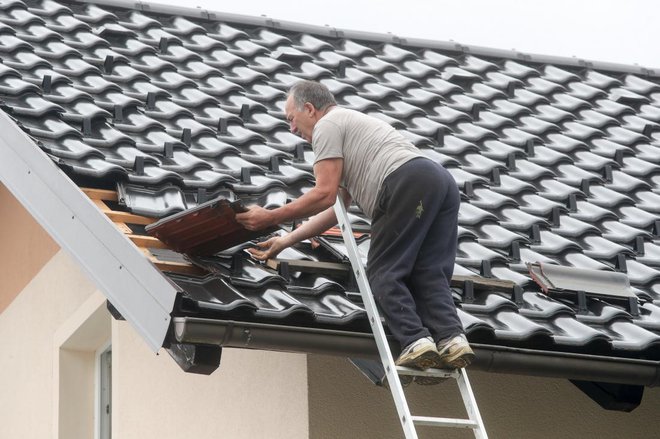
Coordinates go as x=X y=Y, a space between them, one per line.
x=122 y=220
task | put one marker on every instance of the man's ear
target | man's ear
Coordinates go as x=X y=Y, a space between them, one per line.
x=309 y=108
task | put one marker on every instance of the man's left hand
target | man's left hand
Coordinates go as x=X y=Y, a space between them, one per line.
x=256 y=218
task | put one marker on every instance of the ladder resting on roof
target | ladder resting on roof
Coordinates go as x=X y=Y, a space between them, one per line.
x=392 y=372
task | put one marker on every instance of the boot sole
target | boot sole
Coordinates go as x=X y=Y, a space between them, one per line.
x=459 y=360
x=427 y=359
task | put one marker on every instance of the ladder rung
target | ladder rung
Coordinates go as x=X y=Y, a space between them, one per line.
x=438 y=373
x=444 y=422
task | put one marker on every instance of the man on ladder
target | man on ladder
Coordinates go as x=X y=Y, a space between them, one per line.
x=413 y=203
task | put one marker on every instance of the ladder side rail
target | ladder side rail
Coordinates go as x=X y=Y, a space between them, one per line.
x=470 y=403
x=375 y=322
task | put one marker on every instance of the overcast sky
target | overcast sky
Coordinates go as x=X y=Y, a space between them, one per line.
x=624 y=31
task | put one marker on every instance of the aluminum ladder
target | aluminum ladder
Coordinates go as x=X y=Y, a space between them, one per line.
x=392 y=372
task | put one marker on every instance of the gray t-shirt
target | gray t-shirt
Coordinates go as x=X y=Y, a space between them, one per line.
x=371 y=150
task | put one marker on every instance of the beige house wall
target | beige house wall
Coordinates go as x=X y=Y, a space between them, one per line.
x=50 y=334
x=344 y=404
x=254 y=394
x=26 y=247
x=27 y=327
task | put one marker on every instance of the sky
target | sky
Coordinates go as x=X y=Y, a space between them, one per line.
x=623 y=31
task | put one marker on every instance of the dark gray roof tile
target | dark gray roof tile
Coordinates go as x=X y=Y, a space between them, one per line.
x=647 y=200
x=502 y=81
x=478 y=65
x=624 y=136
x=418 y=70
x=585 y=92
x=496 y=236
x=580 y=131
x=538 y=126
x=581 y=260
x=447 y=115
x=601 y=147
x=437 y=60
x=529 y=171
x=574 y=176
x=392 y=53
x=493 y=121
x=472 y=254
x=535 y=204
x=543 y=86
x=596 y=119
x=570 y=227
x=567 y=102
x=627 y=97
x=559 y=75
x=600 y=80
x=421 y=97
x=521 y=221
x=518 y=70
x=638 y=85
x=556 y=190
x=486 y=93
x=482 y=165
x=376 y=91
x=375 y=65
x=626 y=183
x=459 y=76
x=310 y=43
x=225 y=32
x=607 y=198
x=509 y=109
x=545 y=156
x=441 y=86
x=611 y=108
x=555 y=164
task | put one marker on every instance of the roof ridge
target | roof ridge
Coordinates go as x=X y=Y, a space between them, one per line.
x=331 y=31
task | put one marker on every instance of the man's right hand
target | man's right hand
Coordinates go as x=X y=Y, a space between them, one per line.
x=268 y=249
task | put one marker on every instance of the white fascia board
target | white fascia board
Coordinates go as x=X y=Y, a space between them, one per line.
x=138 y=290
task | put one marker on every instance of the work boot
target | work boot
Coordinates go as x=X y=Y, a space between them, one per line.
x=421 y=354
x=455 y=352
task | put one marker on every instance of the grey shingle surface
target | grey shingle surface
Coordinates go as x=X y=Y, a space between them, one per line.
x=558 y=161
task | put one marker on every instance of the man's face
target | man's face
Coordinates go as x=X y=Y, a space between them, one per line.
x=302 y=121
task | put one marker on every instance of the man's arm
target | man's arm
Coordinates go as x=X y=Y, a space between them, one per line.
x=319 y=198
x=315 y=226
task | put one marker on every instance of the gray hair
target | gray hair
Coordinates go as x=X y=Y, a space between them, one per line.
x=313 y=92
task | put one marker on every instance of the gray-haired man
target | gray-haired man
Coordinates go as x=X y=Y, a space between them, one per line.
x=413 y=203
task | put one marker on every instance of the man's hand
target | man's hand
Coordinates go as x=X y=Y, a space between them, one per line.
x=256 y=218
x=268 y=249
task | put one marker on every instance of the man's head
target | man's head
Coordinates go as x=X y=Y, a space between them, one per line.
x=308 y=101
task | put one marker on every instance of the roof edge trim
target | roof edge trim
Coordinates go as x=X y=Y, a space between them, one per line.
x=375 y=36
x=132 y=283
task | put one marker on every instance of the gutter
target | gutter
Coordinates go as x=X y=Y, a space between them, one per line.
x=495 y=359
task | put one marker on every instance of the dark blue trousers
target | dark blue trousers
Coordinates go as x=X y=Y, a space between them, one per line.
x=413 y=249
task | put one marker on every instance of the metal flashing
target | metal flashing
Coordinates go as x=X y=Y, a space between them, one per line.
x=557 y=278
x=135 y=287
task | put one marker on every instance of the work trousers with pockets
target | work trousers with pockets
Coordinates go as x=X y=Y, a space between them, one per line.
x=412 y=252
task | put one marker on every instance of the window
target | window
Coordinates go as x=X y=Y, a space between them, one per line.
x=104 y=412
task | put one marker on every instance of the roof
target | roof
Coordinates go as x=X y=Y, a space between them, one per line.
x=167 y=108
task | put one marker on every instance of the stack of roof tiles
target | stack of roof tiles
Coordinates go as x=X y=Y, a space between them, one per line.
x=557 y=162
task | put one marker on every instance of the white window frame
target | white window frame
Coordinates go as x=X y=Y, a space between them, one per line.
x=98 y=373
